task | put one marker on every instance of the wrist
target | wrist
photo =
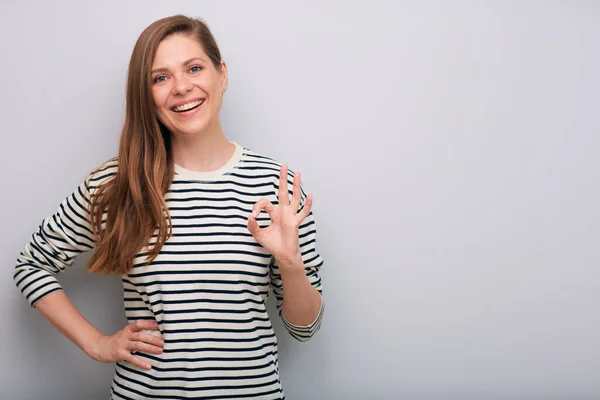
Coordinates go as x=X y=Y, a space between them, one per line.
x=293 y=263
x=92 y=345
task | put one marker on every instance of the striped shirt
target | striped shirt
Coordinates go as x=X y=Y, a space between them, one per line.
x=207 y=289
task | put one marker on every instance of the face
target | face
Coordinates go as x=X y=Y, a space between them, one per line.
x=186 y=87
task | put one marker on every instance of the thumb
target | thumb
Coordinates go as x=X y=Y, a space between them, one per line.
x=253 y=226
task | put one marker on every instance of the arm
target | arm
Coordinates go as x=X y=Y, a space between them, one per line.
x=59 y=310
x=295 y=278
x=298 y=288
x=53 y=248
x=301 y=301
x=295 y=263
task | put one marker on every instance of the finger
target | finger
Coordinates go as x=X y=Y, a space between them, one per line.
x=306 y=209
x=262 y=204
x=137 y=361
x=283 y=196
x=148 y=337
x=140 y=324
x=296 y=192
x=253 y=227
x=144 y=347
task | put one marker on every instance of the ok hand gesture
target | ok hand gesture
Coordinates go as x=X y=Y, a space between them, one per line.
x=281 y=237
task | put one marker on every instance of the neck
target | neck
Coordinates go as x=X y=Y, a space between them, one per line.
x=204 y=151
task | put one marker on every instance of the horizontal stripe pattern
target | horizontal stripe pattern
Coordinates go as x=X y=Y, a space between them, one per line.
x=207 y=288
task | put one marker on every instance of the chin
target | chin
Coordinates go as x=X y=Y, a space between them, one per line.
x=190 y=129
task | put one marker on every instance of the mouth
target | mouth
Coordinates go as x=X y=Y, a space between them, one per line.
x=192 y=105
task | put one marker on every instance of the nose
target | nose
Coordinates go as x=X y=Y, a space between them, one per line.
x=181 y=85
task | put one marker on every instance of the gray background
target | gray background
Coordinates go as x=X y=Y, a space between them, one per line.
x=452 y=149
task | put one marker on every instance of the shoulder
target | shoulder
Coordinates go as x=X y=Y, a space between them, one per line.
x=268 y=168
x=258 y=160
x=102 y=173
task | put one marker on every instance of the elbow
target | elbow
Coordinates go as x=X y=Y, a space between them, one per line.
x=304 y=336
x=34 y=283
x=304 y=333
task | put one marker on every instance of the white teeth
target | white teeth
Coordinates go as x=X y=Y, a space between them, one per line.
x=188 y=106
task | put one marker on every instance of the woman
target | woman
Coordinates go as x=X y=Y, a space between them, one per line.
x=178 y=215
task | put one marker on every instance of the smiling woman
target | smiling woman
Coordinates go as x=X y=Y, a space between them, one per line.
x=178 y=215
x=187 y=88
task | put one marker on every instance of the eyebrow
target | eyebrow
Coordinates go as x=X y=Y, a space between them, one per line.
x=185 y=63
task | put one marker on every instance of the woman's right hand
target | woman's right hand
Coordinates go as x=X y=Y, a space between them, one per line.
x=119 y=347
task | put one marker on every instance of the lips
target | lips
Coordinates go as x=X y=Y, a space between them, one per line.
x=187 y=106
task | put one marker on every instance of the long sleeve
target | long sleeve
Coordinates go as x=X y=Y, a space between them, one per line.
x=312 y=264
x=54 y=246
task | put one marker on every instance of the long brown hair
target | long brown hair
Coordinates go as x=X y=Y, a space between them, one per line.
x=133 y=201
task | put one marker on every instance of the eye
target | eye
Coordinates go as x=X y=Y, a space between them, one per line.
x=196 y=68
x=160 y=78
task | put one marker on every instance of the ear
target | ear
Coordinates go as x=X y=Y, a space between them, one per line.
x=224 y=76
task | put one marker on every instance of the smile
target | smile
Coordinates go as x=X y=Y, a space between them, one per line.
x=189 y=106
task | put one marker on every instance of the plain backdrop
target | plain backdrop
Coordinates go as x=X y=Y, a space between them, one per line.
x=452 y=149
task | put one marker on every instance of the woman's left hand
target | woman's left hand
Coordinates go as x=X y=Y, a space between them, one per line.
x=281 y=237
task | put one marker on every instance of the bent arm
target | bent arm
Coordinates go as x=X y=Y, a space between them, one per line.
x=59 y=310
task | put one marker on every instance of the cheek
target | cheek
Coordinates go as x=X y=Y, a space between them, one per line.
x=159 y=98
x=216 y=93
